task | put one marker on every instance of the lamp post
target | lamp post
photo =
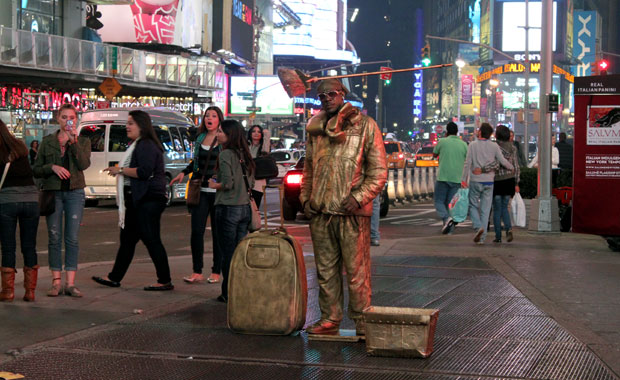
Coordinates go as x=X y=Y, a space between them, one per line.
x=460 y=63
x=377 y=101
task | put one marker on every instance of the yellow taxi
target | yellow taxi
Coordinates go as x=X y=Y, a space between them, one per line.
x=424 y=157
x=399 y=155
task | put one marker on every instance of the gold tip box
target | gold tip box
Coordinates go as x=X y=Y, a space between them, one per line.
x=400 y=331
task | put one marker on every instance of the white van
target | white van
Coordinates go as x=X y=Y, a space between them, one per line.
x=106 y=131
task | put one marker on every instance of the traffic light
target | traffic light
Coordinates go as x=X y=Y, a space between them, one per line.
x=602 y=67
x=426 y=55
x=387 y=82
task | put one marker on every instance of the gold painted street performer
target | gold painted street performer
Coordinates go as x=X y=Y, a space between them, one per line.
x=345 y=169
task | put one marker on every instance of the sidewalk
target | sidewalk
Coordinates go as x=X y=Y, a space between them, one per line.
x=541 y=307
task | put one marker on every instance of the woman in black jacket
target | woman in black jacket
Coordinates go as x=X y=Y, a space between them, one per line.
x=18 y=202
x=141 y=199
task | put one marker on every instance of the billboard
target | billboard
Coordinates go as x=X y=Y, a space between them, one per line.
x=322 y=34
x=232 y=27
x=270 y=96
x=586 y=24
x=176 y=22
x=513 y=20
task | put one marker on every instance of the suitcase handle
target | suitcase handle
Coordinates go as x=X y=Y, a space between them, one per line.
x=280 y=188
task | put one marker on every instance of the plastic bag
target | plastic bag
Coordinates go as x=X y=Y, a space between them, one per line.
x=459 y=205
x=517 y=208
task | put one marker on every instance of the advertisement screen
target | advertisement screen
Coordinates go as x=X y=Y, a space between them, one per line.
x=270 y=96
x=513 y=20
x=242 y=31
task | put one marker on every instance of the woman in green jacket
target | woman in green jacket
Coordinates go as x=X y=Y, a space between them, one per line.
x=61 y=160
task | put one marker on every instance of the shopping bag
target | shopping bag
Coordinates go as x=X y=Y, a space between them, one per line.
x=517 y=211
x=459 y=205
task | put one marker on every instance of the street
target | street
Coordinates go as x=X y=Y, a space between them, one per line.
x=99 y=233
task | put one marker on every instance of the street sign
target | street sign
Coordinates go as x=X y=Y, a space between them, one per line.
x=110 y=87
x=386 y=76
x=253 y=109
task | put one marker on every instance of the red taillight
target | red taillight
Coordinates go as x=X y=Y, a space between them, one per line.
x=293 y=179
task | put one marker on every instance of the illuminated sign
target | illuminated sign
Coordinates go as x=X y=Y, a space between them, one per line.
x=34 y=99
x=270 y=96
x=585 y=47
x=242 y=12
x=519 y=68
x=417 y=93
x=513 y=34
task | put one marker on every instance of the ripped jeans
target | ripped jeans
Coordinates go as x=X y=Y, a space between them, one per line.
x=69 y=204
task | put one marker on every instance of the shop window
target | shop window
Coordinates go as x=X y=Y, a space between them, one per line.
x=42 y=16
x=119 y=142
x=96 y=134
x=164 y=137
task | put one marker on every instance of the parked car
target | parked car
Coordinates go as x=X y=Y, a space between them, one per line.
x=424 y=157
x=292 y=188
x=106 y=131
x=286 y=159
x=399 y=155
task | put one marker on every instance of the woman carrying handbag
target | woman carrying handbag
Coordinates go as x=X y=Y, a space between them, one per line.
x=257 y=137
x=18 y=204
x=232 y=200
x=201 y=198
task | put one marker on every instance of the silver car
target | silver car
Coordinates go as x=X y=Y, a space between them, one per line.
x=106 y=131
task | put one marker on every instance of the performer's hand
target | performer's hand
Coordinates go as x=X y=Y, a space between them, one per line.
x=350 y=204
x=308 y=211
x=464 y=185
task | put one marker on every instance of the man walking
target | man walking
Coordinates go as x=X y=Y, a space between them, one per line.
x=345 y=169
x=479 y=174
x=452 y=152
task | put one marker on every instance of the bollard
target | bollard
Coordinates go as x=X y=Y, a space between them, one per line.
x=431 y=181
x=400 y=185
x=416 y=184
x=409 y=184
x=391 y=189
x=423 y=182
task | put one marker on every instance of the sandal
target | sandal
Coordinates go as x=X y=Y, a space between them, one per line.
x=56 y=288
x=73 y=291
x=195 y=277
x=214 y=278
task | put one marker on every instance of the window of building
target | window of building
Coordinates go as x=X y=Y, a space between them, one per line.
x=42 y=16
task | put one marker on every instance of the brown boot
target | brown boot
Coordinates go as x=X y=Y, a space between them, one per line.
x=30 y=282
x=8 y=284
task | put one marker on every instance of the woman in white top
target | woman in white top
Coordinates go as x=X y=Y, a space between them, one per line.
x=258 y=140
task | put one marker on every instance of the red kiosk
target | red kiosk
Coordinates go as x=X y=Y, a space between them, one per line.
x=596 y=162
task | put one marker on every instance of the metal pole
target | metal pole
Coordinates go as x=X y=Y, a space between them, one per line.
x=526 y=99
x=544 y=215
x=380 y=113
x=458 y=97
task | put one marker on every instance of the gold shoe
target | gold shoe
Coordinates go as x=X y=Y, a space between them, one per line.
x=56 y=288
x=324 y=327
x=214 y=278
x=360 y=327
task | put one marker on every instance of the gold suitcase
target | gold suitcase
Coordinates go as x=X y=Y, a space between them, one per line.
x=400 y=331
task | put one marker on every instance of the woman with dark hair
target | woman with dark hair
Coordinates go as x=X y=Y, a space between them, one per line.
x=258 y=141
x=141 y=199
x=61 y=161
x=34 y=148
x=206 y=151
x=505 y=184
x=235 y=170
x=18 y=202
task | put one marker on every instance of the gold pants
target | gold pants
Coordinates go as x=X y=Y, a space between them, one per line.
x=342 y=241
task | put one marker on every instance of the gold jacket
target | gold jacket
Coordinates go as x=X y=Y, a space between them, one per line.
x=344 y=155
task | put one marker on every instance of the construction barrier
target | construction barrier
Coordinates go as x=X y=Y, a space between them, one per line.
x=409 y=184
x=400 y=185
x=391 y=187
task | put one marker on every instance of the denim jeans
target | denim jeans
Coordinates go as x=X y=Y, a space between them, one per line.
x=233 y=226
x=142 y=222
x=444 y=191
x=480 y=201
x=200 y=214
x=27 y=214
x=69 y=204
x=500 y=212
x=374 y=219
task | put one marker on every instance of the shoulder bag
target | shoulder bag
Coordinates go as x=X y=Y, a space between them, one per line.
x=6 y=170
x=266 y=167
x=192 y=198
x=255 y=223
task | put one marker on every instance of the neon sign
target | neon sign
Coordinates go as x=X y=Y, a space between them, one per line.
x=33 y=99
x=242 y=12
x=417 y=93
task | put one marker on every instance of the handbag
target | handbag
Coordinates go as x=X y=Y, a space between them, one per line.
x=255 y=222
x=266 y=167
x=517 y=207
x=459 y=205
x=47 y=202
x=192 y=195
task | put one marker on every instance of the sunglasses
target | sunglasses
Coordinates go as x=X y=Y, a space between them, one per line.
x=328 y=95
